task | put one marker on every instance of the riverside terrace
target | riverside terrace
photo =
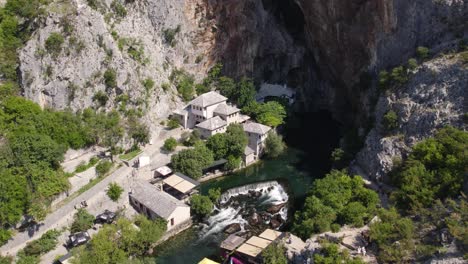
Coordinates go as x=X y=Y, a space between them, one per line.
x=237 y=250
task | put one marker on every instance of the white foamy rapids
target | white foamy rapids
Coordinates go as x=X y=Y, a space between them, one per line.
x=276 y=196
x=223 y=218
x=277 y=193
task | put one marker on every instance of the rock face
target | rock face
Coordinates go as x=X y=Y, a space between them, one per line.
x=434 y=97
x=134 y=46
x=320 y=48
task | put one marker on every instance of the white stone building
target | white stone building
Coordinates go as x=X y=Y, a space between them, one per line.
x=210 y=113
x=155 y=203
x=257 y=134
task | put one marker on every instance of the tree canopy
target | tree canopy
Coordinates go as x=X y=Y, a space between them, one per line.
x=192 y=161
x=435 y=169
x=201 y=205
x=337 y=198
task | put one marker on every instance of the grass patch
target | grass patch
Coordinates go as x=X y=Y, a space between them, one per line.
x=84 y=166
x=130 y=155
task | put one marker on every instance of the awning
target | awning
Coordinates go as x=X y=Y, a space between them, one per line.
x=180 y=184
x=164 y=170
x=270 y=234
x=207 y=261
x=258 y=242
x=249 y=250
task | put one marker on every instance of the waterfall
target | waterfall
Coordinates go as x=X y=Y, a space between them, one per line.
x=266 y=194
x=277 y=194
x=222 y=219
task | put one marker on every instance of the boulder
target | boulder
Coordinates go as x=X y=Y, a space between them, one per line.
x=275 y=223
x=232 y=228
x=254 y=219
x=275 y=208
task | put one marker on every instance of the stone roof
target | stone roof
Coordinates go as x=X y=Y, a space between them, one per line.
x=225 y=109
x=161 y=203
x=212 y=123
x=256 y=128
x=207 y=99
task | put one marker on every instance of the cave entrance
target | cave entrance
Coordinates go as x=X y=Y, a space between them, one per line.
x=316 y=134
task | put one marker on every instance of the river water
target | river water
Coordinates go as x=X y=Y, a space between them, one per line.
x=286 y=178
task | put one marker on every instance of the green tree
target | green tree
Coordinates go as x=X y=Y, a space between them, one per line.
x=399 y=75
x=201 y=205
x=47 y=242
x=337 y=198
x=114 y=191
x=192 y=161
x=103 y=167
x=150 y=232
x=245 y=92
x=214 y=194
x=274 y=145
x=200 y=88
x=82 y=221
x=237 y=140
x=275 y=254
x=434 y=170
x=232 y=163
x=170 y=144
x=271 y=114
x=390 y=120
x=227 y=87
x=219 y=145
x=384 y=79
x=393 y=236
x=331 y=253
x=54 y=43
x=34 y=148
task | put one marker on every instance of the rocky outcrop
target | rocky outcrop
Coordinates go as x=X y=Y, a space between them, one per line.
x=434 y=97
x=328 y=50
x=134 y=46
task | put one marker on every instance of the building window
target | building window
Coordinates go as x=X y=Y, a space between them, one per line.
x=172 y=221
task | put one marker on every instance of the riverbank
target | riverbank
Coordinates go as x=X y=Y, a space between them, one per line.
x=192 y=245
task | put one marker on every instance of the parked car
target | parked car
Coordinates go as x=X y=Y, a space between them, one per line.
x=79 y=238
x=105 y=218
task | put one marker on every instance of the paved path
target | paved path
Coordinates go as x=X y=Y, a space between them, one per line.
x=95 y=197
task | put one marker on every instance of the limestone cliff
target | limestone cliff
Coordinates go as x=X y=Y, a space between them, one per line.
x=329 y=51
x=433 y=98
x=133 y=45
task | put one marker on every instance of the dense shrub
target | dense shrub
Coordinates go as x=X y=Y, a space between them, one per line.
x=114 y=191
x=170 y=144
x=434 y=170
x=274 y=145
x=101 y=98
x=173 y=123
x=201 y=205
x=399 y=75
x=393 y=236
x=103 y=167
x=118 y=9
x=54 y=43
x=82 y=221
x=169 y=35
x=412 y=64
x=390 y=120
x=117 y=243
x=192 y=161
x=422 y=53
x=44 y=244
x=275 y=253
x=110 y=78
x=214 y=194
x=331 y=253
x=337 y=198
x=271 y=113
